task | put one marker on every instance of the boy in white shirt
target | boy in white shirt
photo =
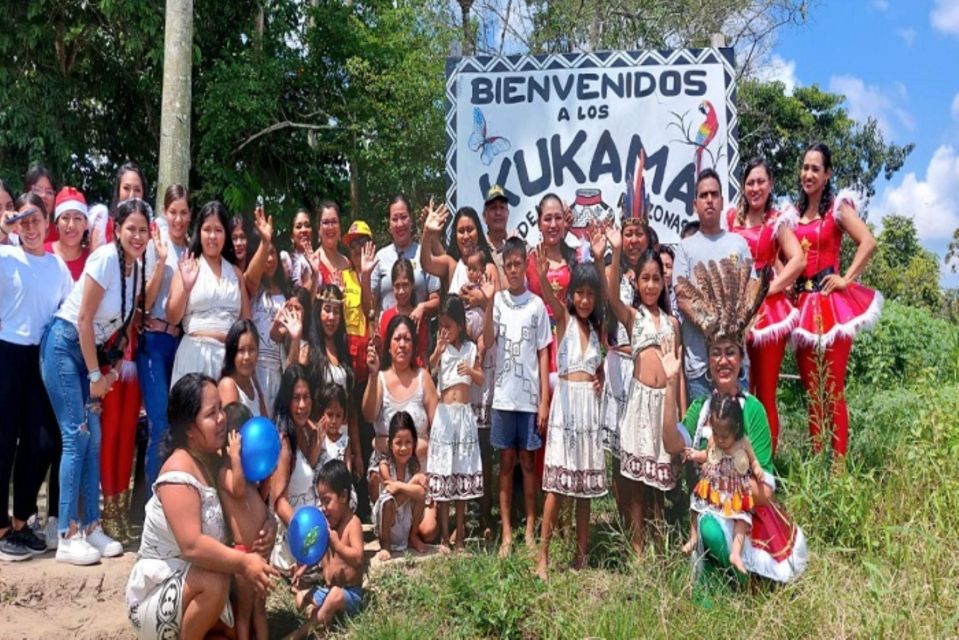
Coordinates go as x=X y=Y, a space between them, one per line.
x=517 y=329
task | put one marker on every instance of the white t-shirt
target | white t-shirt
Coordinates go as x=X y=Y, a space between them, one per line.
x=520 y=329
x=336 y=450
x=31 y=289
x=103 y=266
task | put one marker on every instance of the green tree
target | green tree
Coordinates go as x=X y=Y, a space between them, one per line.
x=901 y=269
x=780 y=127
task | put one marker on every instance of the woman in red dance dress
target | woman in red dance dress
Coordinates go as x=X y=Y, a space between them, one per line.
x=832 y=306
x=769 y=235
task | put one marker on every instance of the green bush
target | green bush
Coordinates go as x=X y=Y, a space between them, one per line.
x=906 y=345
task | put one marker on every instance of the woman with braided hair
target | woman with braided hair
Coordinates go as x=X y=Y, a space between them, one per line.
x=90 y=331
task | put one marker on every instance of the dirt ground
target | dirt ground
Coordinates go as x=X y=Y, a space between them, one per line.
x=42 y=598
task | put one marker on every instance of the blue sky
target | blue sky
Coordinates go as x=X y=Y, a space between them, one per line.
x=896 y=61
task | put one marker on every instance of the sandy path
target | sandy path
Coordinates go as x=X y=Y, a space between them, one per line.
x=42 y=598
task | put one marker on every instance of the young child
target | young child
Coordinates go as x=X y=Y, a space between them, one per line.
x=336 y=440
x=342 y=564
x=399 y=507
x=475 y=273
x=454 y=469
x=245 y=510
x=646 y=468
x=726 y=466
x=404 y=292
x=517 y=328
x=575 y=464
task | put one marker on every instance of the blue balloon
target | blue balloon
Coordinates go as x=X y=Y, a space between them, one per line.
x=259 y=448
x=308 y=535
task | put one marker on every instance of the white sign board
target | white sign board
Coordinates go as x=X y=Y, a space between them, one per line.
x=596 y=129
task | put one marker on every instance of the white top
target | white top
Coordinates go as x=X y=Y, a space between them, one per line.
x=170 y=267
x=520 y=329
x=336 y=449
x=160 y=555
x=31 y=289
x=103 y=266
x=250 y=402
x=460 y=277
x=214 y=304
x=296 y=264
x=413 y=405
x=265 y=306
x=449 y=363
x=627 y=296
x=646 y=334
x=336 y=374
x=570 y=357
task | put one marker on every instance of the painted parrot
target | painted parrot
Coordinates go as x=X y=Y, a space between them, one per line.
x=706 y=132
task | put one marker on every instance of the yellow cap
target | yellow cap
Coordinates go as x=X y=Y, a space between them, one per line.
x=358 y=229
x=496 y=192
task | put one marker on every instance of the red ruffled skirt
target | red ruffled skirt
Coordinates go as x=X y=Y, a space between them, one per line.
x=775 y=320
x=824 y=317
x=772 y=532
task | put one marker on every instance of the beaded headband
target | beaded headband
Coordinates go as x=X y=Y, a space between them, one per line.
x=328 y=295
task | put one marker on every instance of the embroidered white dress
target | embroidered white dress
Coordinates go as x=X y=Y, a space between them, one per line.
x=454 y=468
x=155 y=589
x=575 y=464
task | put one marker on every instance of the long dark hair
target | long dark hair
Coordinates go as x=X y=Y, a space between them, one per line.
x=213 y=208
x=183 y=406
x=237 y=331
x=5 y=187
x=452 y=248
x=284 y=397
x=743 y=206
x=239 y=222
x=400 y=421
x=28 y=197
x=569 y=255
x=454 y=309
x=651 y=255
x=319 y=362
x=126 y=167
x=585 y=276
x=825 y=202
x=124 y=211
x=386 y=360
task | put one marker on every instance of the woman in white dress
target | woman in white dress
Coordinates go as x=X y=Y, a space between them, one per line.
x=180 y=584
x=238 y=382
x=206 y=295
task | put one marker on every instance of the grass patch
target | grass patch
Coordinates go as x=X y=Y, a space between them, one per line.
x=882 y=535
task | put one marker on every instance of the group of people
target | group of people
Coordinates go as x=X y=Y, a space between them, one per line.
x=394 y=375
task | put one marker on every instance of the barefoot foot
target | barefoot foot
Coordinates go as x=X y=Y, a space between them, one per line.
x=736 y=560
x=690 y=547
x=383 y=555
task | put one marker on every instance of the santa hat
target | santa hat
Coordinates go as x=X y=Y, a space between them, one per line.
x=70 y=199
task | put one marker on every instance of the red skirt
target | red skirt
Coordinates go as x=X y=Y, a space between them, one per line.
x=775 y=320
x=824 y=317
x=772 y=532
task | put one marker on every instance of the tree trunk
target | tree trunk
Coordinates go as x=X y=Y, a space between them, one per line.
x=174 y=165
x=355 y=189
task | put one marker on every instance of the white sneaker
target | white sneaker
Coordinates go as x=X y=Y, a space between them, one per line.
x=107 y=546
x=76 y=550
x=51 y=532
x=36 y=525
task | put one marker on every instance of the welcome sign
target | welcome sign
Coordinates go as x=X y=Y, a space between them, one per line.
x=612 y=133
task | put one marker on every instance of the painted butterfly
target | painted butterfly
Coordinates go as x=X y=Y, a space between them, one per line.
x=488 y=146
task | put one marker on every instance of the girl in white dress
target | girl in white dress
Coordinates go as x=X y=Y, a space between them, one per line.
x=207 y=295
x=454 y=468
x=575 y=465
x=239 y=383
x=646 y=468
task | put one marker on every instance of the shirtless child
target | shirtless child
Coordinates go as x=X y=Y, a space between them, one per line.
x=245 y=510
x=342 y=564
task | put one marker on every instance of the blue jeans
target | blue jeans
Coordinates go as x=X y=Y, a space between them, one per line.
x=154 y=366
x=65 y=377
x=698 y=387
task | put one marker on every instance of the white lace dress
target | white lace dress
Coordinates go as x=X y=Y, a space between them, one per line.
x=155 y=588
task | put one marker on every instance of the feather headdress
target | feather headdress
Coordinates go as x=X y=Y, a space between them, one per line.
x=724 y=297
